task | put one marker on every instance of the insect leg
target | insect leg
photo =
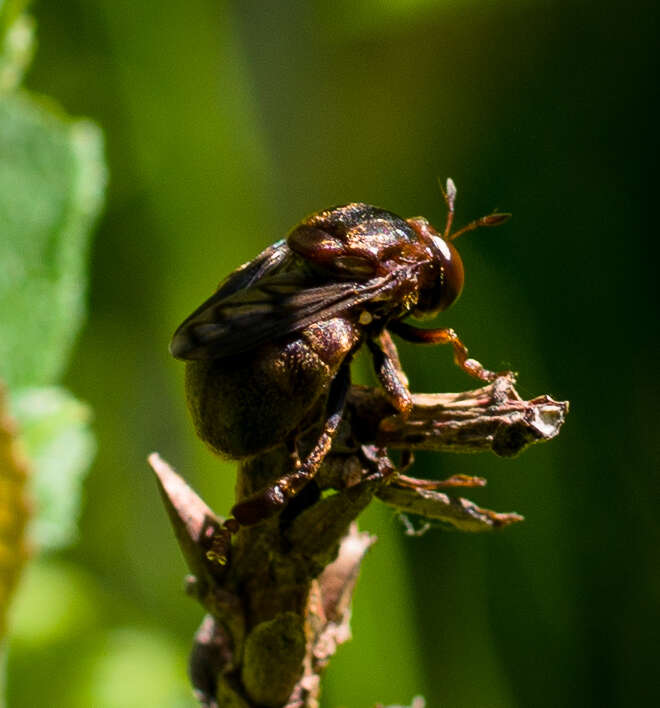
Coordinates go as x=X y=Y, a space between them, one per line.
x=445 y=336
x=390 y=350
x=391 y=379
x=268 y=502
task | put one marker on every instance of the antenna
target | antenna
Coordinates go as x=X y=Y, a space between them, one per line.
x=449 y=193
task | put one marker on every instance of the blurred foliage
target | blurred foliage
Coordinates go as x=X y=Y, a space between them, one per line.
x=417 y=702
x=14 y=515
x=227 y=122
x=16 y=43
x=60 y=446
x=51 y=185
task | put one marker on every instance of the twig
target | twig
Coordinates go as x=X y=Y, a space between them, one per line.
x=279 y=606
x=490 y=418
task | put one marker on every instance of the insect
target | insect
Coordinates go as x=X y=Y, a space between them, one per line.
x=268 y=353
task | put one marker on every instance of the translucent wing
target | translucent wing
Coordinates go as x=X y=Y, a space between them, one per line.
x=271 y=307
x=273 y=259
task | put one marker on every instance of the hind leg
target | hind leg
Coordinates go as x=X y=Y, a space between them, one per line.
x=267 y=502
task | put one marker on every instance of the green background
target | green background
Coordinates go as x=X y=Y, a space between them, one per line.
x=225 y=124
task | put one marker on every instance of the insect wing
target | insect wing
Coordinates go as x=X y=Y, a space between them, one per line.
x=273 y=307
x=268 y=261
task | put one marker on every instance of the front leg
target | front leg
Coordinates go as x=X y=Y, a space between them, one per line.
x=391 y=377
x=390 y=350
x=446 y=336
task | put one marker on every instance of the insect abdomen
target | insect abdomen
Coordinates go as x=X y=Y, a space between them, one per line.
x=246 y=404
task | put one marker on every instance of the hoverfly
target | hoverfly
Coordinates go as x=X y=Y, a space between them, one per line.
x=268 y=353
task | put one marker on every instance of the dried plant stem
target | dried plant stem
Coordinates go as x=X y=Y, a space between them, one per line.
x=280 y=605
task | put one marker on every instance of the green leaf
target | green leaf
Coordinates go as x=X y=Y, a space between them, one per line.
x=60 y=445
x=51 y=186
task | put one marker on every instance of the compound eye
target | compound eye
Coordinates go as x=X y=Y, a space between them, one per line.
x=443 y=283
x=454 y=277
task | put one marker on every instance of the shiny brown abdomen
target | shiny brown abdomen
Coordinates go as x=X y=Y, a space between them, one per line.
x=248 y=403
